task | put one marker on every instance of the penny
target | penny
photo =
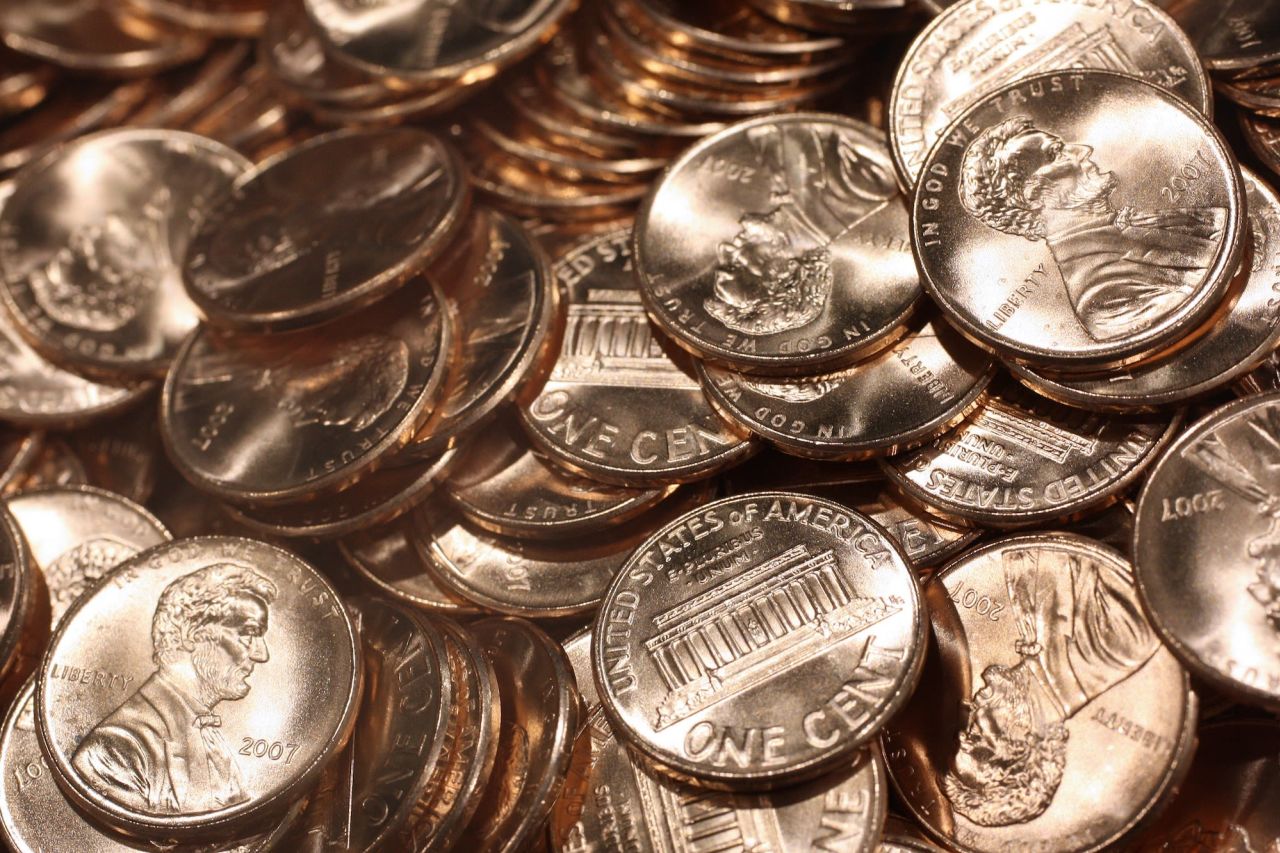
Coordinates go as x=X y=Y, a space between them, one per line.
x=425 y=40
x=1096 y=268
x=733 y=30
x=519 y=188
x=541 y=714
x=509 y=319
x=384 y=557
x=292 y=50
x=95 y=279
x=1235 y=344
x=506 y=487
x=1050 y=715
x=212 y=17
x=68 y=112
x=1022 y=460
x=734 y=646
x=921 y=387
x=284 y=251
x=35 y=815
x=1232 y=33
x=621 y=405
x=92 y=37
x=219 y=608
x=778 y=279
x=1262 y=134
x=77 y=535
x=1231 y=798
x=274 y=418
x=1203 y=549
x=522 y=143
x=16 y=599
x=972 y=49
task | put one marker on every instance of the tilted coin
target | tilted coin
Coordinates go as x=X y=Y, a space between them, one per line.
x=277 y=417
x=541 y=716
x=93 y=239
x=1230 y=33
x=975 y=47
x=1050 y=716
x=68 y=112
x=506 y=487
x=35 y=815
x=620 y=406
x=1207 y=552
x=384 y=557
x=509 y=318
x=159 y=732
x=77 y=535
x=923 y=385
x=285 y=250
x=1022 y=460
x=759 y=640
x=1234 y=345
x=779 y=245
x=1038 y=252
x=16 y=593
x=1231 y=798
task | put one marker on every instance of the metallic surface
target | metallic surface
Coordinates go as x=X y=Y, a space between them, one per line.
x=16 y=588
x=1230 y=34
x=384 y=557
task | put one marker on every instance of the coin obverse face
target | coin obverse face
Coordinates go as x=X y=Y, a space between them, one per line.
x=759 y=640
x=204 y=684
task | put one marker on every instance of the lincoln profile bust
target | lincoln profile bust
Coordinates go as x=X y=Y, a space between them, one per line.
x=1125 y=270
x=162 y=750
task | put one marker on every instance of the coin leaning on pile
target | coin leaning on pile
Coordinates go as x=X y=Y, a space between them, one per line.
x=748 y=425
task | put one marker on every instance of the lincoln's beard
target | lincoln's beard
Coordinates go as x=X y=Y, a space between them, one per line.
x=766 y=304
x=1266 y=589
x=220 y=679
x=1092 y=193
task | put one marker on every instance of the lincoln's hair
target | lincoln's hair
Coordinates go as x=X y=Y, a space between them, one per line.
x=200 y=599
x=992 y=184
x=1019 y=784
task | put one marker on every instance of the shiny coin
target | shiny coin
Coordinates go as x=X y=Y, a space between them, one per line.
x=1230 y=34
x=293 y=52
x=77 y=535
x=36 y=817
x=1231 y=799
x=94 y=279
x=1262 y=133
x=733 y=30
x=1038 y=252
x=735 y=646
x=1234 y=344
x=384 y=557
x=924 y=385
x=1021 y=459
x=1206 y=548
x=973 y=48
x=274 y=418
x=797 y=257
x=1049 y=714
x=423 y=40
x=509 y=316
x=16 y=594
x=505 y=486
x=285 y=250
x=620 y=405
x=541 y=716
x=168 y=645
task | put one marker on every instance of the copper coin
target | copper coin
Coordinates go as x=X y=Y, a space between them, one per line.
x=425 y=40
x=212 y=17
x=93 y=239
x=77 y=535
x=1230 y=34
x=541 y=715
x=292 y=50
x=218 y=608
x=734 y=646
x=1234 y=345
x=797 y=258
x=1050 y=716
x=1022 y=459
x=506 y=487
x=621 y=406
x=1231 y=799
x=36 y=817
x=1036 y=251
x=276 y=418
x=735 y=30
x=385 y=558
x=974 y=48
x=16 y=594
x=509 y=316
x=921 y=387
x=285 y=250
x=1203 y=549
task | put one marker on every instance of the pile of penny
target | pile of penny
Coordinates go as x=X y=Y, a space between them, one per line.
x=566 y=425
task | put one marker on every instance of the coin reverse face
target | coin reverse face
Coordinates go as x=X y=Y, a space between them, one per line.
x=204 y=684
x=759 y=639
x=1054 y=230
